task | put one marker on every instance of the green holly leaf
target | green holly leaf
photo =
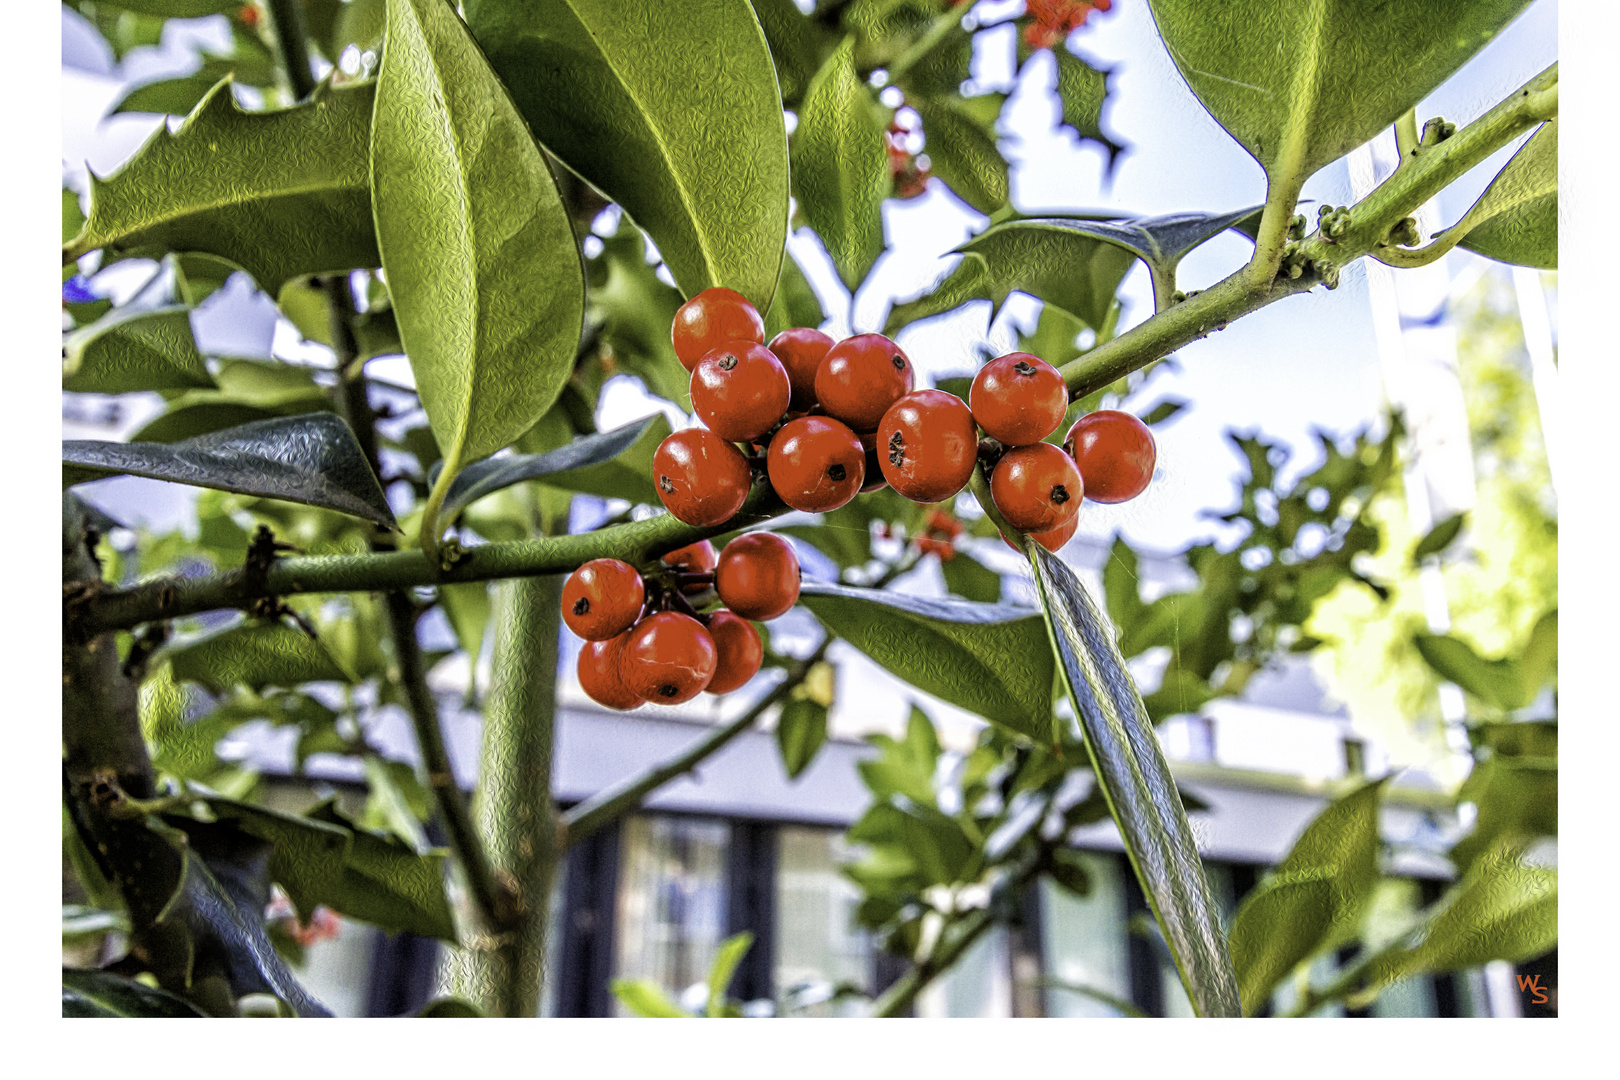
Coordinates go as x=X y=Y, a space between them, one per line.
x=255 y=655
x=1303 y=84
x=481 y=261
x=841 y=166
x=962 y=149
x=1315 y=898
x=1047 y=258
x=91 y=992
x=311 y=459
x=146 y=350
x=1132 y=772
x=1082 y=89
x=991 y=659
x=1516 y=220
x=613 y=464
x=670 y=110
x=801 y=730
x=278 y=193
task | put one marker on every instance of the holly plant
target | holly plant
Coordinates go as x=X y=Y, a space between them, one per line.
x=529 y=198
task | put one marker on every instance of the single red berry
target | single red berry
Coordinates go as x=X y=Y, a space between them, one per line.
x=693 y=558
x=1037 y=488
x=669 y=658
x=860 y=377
x=927 y=445
x=758 y=576
x=1019 y=399
x=816 y=463
x=738 y=650
x=1115 y=453
x=1053 y=540
x=709 y=320
x=702 y=479
x=801 y=351
x=740 y=391
x=601 y=673
x=603 y=599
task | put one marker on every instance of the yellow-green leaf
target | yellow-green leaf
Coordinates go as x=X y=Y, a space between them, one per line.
x=147 y=350
x=279 y=193
x=1516 y=220
x=1301 y=83
x=481 y=260
x=671 y=110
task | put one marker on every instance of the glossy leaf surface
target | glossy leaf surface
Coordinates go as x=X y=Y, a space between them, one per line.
x=92 y=992
x=148 y=350
x=278 y=193
x=1516 y=220
x=1317 y=895
x=481 y=261
x=256 y=655
x=801 y=729
x=1161 y=241
x=312 y=459
x=1043 y=257
x=1133 y=774
x=671 y=110
x=612 y=464
x=990 y=659
x=841 y=167
x=1303 y=83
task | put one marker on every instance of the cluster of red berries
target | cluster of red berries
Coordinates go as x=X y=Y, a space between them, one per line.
x=827 y=420
x=645 y=642
x=1052 y=21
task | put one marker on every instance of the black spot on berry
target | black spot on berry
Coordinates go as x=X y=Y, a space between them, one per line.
x=581 y=606
x=727 y=362
x=1060 y=494
x=897 y=449
x=667 y=691
x=836 y=473
x=666 y=485
x=899 y=362
x=1024 y=367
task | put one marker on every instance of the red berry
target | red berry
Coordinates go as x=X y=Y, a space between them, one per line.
x=669 y=658
x=758 y=576
x=1036 y=488
x=739 y=651
x=1019 y=399
x=816 y=463
x=860 y=377
x=709 y=320
x=1115 y=453
x=740 y=391
x=602 y=599
x=1053 y=540
x=702 y=479
x=601 y=673
x=801 y=351
x=927 y=445
x=693 y=558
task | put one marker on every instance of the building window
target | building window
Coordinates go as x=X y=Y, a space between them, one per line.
x=819 y=948
x=671 y=904
x=1083 y=941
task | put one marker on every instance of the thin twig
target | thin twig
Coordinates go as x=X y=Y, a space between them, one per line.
x=614 y=803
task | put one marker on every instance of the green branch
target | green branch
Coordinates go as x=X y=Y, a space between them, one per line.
x=637 y=543
x=596 y=814
x=1318 y=258
x=424 y=710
